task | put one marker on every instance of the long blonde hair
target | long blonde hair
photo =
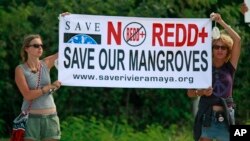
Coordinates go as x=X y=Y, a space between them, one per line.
x=228 y=41
x=26 y=43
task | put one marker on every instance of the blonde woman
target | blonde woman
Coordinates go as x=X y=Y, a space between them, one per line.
x=33 y=80
x=216 y=106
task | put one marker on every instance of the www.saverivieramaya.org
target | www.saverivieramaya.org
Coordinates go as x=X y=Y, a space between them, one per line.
x=134 y=78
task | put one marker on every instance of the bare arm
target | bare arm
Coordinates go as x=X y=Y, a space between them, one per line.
x=50 y=60
x=236 y=40
x=23 y=87
x=199 y=92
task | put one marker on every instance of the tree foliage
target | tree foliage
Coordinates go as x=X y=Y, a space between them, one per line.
x=139 y=107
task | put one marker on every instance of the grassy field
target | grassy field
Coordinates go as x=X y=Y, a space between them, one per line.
x=83 y=129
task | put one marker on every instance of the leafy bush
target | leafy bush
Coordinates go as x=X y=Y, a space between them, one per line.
x=1 y=126
x=90 y=129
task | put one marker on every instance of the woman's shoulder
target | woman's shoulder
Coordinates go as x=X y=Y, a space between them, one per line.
x=20 y=66
x=229 y=66
x=43 y=63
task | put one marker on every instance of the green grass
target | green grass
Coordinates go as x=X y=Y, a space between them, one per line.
x=82 y=129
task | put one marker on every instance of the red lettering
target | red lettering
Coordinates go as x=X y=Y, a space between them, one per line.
x=136 y=34
x=168 y=34
x=192 y=32
x=112 y=33
x=156 y=34
x=177 y=34
x=128 y=34
x=180 y=28
x=203 y=34
x=133 y=34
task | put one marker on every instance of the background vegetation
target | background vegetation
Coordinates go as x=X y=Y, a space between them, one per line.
x=119 y=114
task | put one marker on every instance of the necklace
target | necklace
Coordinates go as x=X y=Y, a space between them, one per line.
x=32 y=70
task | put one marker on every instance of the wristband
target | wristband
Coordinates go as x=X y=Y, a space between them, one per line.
x=51 y=91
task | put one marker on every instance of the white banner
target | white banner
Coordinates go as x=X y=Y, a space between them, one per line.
x=247 y=14
x=134 y=52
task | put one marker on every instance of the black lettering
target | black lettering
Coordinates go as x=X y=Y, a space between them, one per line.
x=203 y=58
x=75 y=59
x=188 y=60
x=90 y=58
x=112 y=66
x=100 y=77
x=67 y=25
x=103 y=65
x=97 y=27
x=88 y=25
x=178 y=53
x=133 y=60
x=169 y=60
x=120 y=59
x=78 y=26
x=160 y=68
x=66 y=51
x=143 y=61
x=151 y=61
x=195 y=60
x=83 y=58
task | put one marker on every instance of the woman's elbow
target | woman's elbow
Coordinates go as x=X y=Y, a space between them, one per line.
x=27 y=96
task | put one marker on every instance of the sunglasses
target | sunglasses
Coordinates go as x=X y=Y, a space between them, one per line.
x=219 y=47
x=36 y=45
